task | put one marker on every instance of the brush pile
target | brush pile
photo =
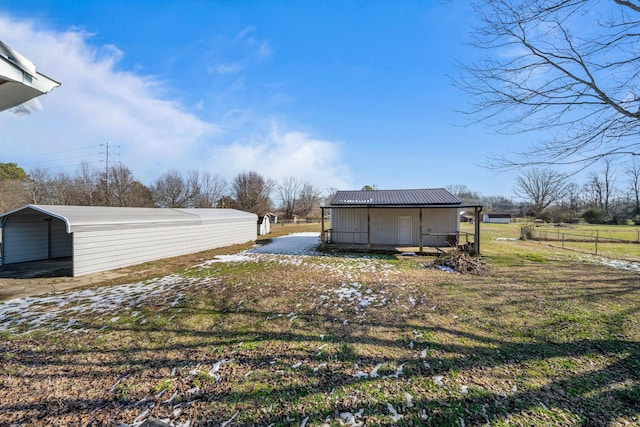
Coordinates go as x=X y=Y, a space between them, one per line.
x=460 y=262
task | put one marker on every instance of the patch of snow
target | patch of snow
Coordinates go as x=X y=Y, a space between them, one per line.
x=49 y=309
x=399 y=370
x=352 y=418
x=226 y=423
x=409 y=399
x=374 y=372
x=614 y=263
x=241 y=257
x=293 y=244
x=394 y=414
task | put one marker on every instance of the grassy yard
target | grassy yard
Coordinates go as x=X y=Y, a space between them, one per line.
x=545 y=338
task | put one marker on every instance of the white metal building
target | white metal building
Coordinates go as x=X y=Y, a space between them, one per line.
x=396 y=218
x=264 y=225
x=497 y=218
x=105 y=238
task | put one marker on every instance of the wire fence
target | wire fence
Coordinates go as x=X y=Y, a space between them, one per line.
x=593 y=242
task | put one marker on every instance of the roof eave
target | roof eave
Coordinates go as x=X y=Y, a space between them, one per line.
x=43 y=211
x=444 y=205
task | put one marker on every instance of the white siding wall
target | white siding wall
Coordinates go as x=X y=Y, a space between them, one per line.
x=350 y=225
x=440 y=222
x=105 y=250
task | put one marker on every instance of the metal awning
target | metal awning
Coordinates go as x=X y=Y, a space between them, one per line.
x=19 y=80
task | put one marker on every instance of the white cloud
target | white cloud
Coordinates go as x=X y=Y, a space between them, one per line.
x=280 y=154
x=99 y=102
x=96 y=103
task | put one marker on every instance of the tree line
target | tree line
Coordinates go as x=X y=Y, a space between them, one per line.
x=117 y=186
x=606 y=195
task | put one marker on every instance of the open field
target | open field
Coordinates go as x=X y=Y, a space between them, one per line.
x=545 y=338
x=614 y=241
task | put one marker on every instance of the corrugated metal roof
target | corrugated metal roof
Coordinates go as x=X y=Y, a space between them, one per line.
x=417 y=197
x=103 y=218
x=218 y=214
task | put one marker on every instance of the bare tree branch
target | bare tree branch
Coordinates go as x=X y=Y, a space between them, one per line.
x=565 y=68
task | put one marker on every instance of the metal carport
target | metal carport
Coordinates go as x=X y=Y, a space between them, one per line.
x=104 y=238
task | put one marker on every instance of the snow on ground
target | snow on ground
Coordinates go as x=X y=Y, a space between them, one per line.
x=295 y=249
x=293 y=244
x=57 y=311
x=613 y=263
x=43 y=310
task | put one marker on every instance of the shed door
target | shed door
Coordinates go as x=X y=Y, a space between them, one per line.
x=404 y=230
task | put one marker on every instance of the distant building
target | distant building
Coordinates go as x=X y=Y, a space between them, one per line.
x=497 y=218
x=264 y=225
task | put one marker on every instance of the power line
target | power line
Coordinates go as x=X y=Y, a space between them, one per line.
x=60 y=151
x=62 y=160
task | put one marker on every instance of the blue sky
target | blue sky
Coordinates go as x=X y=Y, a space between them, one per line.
x=340 y=94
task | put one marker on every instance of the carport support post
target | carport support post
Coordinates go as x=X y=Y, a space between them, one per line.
x=477 y=209
x=420 y=237
x=3 y=221
x=322 y=222
x=368 y=229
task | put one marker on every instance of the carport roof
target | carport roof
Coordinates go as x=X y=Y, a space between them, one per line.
x=84 y=218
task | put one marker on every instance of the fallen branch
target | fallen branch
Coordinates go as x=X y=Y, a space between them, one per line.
x=460 y=262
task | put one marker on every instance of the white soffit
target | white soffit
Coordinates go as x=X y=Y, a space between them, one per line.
x=19 y=80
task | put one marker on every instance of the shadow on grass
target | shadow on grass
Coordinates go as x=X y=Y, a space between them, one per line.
x=279 y=372
x=593 y=396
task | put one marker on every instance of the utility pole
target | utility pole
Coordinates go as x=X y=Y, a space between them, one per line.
x=106 y=175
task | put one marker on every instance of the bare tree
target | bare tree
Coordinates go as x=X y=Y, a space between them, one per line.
x=86 y=190
x=601 y=187
x=633 y=173
x=498 y=204
x=171 y=190
x=46 y=188
x=567 y=66
x=297 y=197
x=288 y=192
x=331 y=191
x=121 y=185
x=206 y=189
x=308 y=199
x=251 y=193
x=464 y=193
x=572 y=200
x=540 y=188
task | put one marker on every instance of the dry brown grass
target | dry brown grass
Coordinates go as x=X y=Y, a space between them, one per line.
x=542 y=339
